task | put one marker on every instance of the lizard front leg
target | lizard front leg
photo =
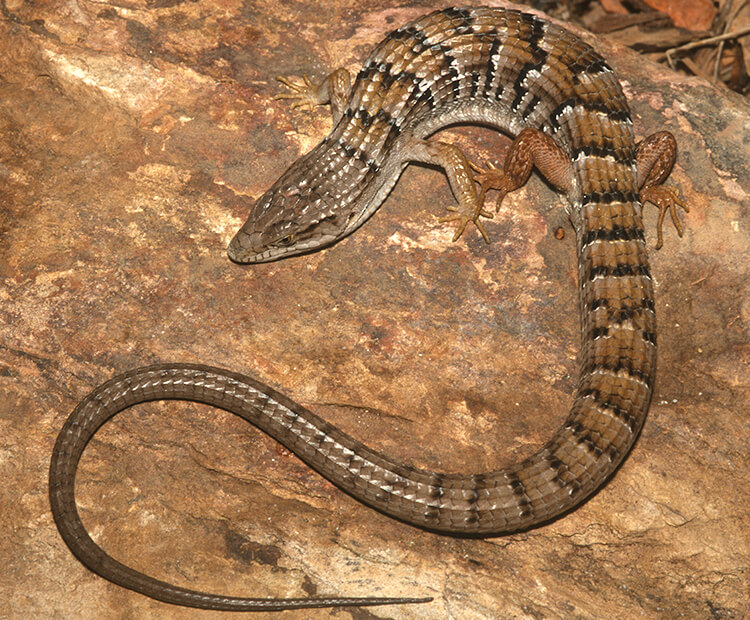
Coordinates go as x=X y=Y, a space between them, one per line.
x=333 y=89
x=458 y=170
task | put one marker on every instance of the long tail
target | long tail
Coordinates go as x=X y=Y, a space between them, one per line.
x=297 y=428
x=559 y=476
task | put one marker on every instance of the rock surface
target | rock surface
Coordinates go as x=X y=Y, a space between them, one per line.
x=134 y=137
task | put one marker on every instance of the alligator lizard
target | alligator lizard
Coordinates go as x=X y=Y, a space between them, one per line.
x=531 y=79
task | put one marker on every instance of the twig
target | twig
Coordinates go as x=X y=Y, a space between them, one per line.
x=702 y=42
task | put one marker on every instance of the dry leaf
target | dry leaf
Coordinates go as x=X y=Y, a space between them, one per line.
x=688 y=14
x=740 y=23
x=613 y=6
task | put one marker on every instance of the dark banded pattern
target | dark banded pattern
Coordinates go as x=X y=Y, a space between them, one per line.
x=500 y=67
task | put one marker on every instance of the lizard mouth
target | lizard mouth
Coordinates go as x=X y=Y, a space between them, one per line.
x=250 y=248
x=246 y=248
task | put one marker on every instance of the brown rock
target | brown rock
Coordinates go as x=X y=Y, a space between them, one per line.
x=133 y=138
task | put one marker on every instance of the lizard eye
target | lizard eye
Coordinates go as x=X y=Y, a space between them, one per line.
x=284 y=241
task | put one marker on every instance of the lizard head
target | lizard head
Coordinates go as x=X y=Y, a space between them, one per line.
x=301 y=213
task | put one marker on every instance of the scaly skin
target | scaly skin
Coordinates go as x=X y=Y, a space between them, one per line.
x=497 y=67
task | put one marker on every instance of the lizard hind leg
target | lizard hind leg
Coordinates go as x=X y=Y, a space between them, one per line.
x=654 y=158
x=531 y=148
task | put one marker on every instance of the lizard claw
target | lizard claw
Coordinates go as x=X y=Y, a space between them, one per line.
x=666 y=198
x=464 y=215
x=463 y=219
x=303 y=93
x=492 y=177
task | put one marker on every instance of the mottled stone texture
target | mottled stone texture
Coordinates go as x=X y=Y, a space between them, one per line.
x=133 y=138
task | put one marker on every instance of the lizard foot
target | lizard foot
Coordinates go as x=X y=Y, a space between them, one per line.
x=492 y=177
x=304 y=94
x=666 y=198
